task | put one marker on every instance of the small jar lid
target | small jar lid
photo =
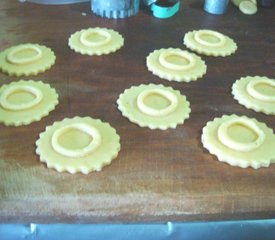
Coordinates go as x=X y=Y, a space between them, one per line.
x=163 y=8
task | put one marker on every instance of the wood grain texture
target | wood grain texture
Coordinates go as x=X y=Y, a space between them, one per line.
x=159 y=175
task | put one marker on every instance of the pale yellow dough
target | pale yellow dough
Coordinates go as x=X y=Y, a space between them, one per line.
x=26 y=59
x=96 y=41
x=79 y=144
x=240 y=141
x=176 y=64
x=248 y=7
x=154 y=106
x=24 y=102
x=256 y=93
x=210 y=43
x=237 y=2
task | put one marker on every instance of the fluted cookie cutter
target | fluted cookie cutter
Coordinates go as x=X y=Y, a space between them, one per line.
x=115 y=8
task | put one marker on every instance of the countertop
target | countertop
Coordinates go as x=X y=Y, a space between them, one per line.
x=158 y=176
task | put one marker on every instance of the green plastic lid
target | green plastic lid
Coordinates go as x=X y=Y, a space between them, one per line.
x=165 y=9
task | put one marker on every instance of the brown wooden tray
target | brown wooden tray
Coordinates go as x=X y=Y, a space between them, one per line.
x=158 y=175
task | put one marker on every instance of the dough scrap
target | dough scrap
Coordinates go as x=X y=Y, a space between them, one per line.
x=74 y=138
x=261 y=100
x=176 y=64
x=26 y=59
x=164 y=106
x=24 y=102
x=221 y=46
x=242 y=135
x=104 y=41
x=248 y=7
x=237 y=2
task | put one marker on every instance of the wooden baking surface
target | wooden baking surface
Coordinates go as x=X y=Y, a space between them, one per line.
x=159 y=175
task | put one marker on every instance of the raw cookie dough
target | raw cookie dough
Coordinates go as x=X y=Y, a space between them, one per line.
x=237 y=2
x=248 y=7
x=96 y=41
x=154 y=106
x=24 y=102
x=257 y=93
x=240 y=141
x=176 y=64
x=210 y=43
x=79 y=144
x=26 y=59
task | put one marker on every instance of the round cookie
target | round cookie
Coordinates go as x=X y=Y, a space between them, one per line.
x=210 y=43
x=26 y=59
x=176 y=64
x=79 y=144
x=256 y=93
x=240 y=141
x=95 y=41
x=24 y=102
x=154 y=106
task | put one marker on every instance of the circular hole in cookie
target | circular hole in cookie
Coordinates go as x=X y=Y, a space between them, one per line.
x=209 y=38
x=20 y=97
x=263 y=90
x=157 y=102
x=95 y=37
x=24 y=54
x=76 y=140
x=176 y=60
x=241 y=134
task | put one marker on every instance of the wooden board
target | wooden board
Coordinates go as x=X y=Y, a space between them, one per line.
x=159 y=175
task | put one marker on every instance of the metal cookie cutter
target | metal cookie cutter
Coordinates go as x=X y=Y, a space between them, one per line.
x=163 y=8
x=115 y=8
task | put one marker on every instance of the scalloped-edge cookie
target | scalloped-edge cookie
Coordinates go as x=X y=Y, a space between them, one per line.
x=256 y=93
x=210 y=43
x=24 y=102
x=154 y=106
x=96 y=41
x=175 y=64
x=79 y=144
x=26 y=59
x=240 y=141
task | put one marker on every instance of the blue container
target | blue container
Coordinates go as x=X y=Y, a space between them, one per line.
x=115 y=8
x=216 y=6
